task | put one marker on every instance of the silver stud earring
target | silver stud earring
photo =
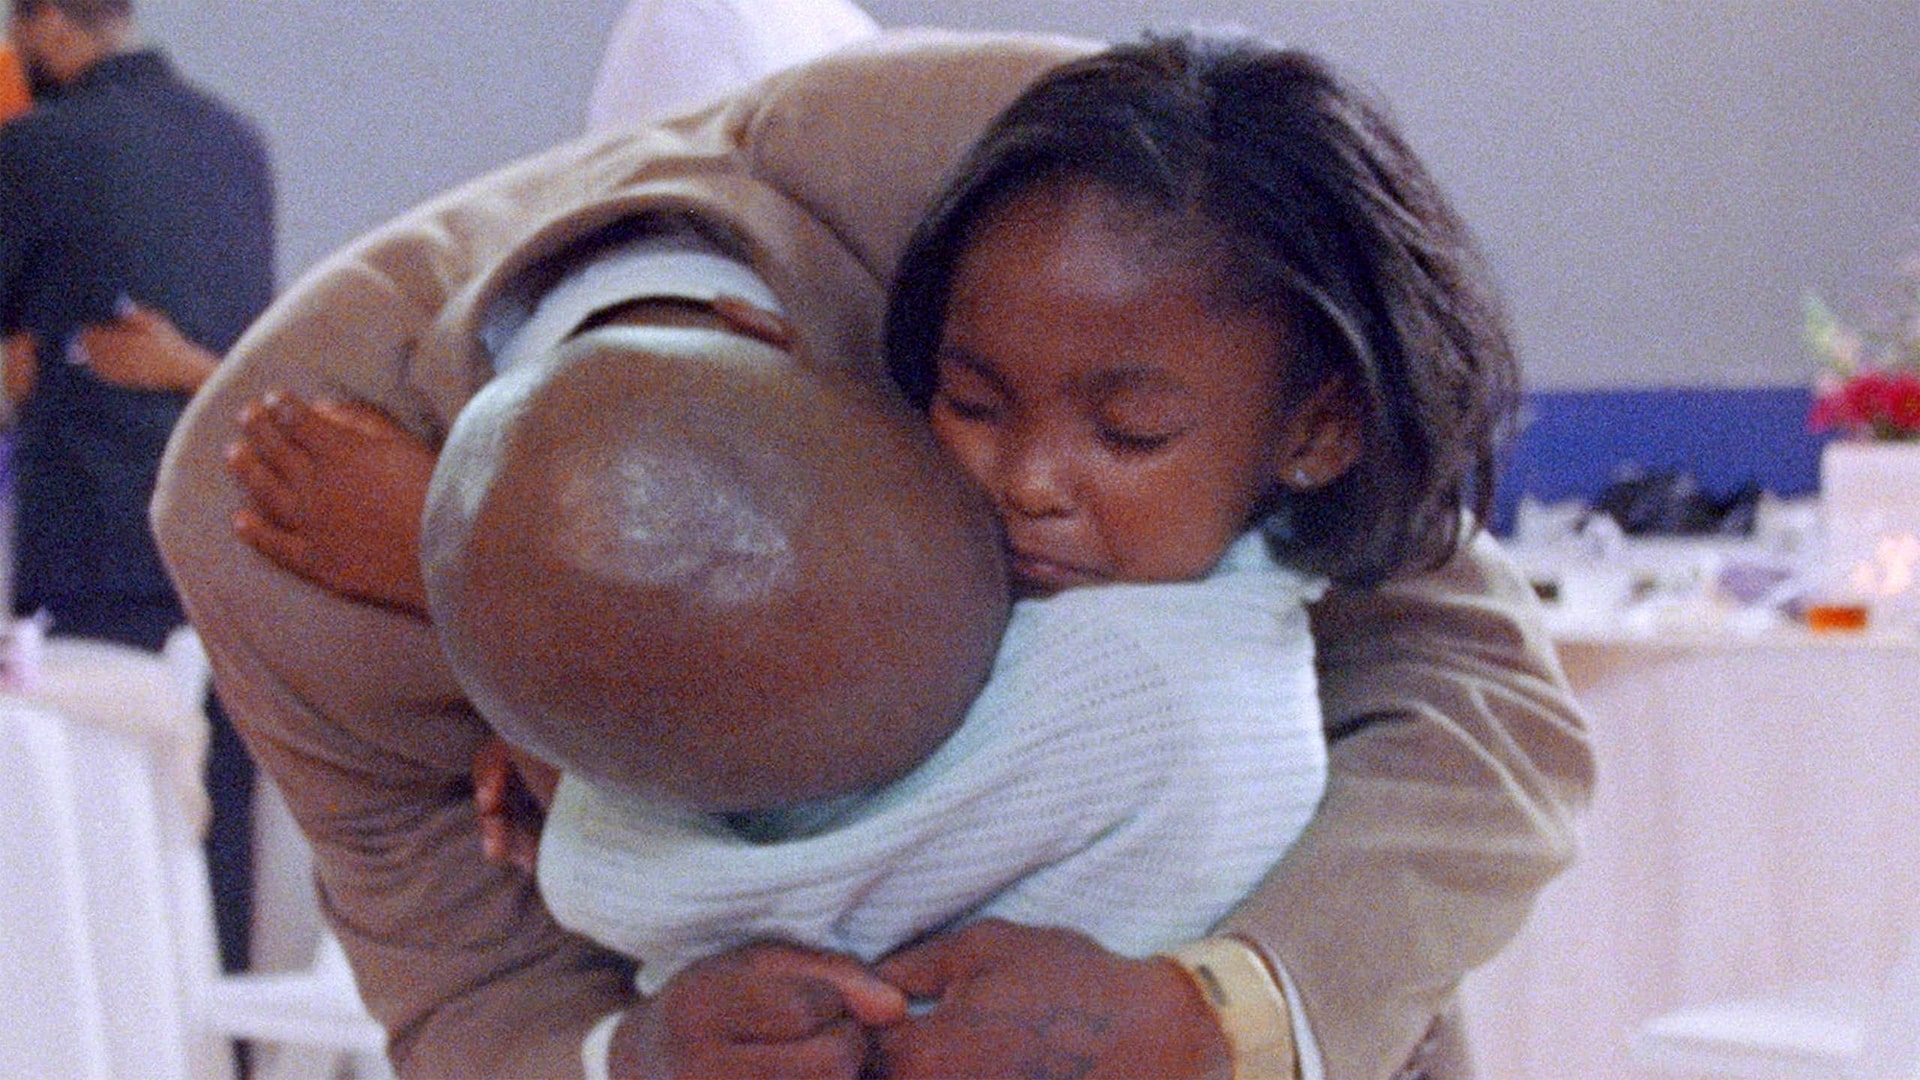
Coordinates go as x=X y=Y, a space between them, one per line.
x=1301 y=478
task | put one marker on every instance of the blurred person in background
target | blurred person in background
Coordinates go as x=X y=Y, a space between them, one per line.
x=126 y=191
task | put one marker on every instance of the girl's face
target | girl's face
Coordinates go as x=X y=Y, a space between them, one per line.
x=1123 y=428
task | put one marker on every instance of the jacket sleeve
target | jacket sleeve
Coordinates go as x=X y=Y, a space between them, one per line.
x=349 y=707
x=1458 y=763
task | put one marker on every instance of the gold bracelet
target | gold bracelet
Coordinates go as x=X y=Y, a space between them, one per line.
x=1235 y=980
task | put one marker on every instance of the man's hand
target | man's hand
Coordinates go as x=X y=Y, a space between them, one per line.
x=143 y=350
x=336 y=490
x=764 y=1010
x=1016 y=1001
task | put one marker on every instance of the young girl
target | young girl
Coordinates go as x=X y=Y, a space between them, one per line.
x=1192 y=318
x=1275 y=200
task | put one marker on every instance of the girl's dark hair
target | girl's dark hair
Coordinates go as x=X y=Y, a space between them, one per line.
x=1307 y=207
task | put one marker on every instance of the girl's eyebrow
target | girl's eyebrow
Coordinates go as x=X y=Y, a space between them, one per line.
x=966 y=358
x=1116 y=380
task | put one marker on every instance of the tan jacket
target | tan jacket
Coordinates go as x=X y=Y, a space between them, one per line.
x=1459 y=760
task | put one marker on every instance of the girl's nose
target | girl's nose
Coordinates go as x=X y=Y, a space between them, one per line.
x=1034 y=481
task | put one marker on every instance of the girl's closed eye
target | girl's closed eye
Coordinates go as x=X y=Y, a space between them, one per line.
x=1140 y=420
x=965 y=393
x=1129 y=443
x=973 y=409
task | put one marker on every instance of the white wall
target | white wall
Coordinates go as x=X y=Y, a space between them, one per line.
x=1658 y=183
x=373 y=105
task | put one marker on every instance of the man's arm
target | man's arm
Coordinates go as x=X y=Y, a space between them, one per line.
x=350 y=707
x=1458 y=762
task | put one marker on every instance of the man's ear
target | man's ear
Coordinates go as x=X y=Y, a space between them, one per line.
x=1321 y=439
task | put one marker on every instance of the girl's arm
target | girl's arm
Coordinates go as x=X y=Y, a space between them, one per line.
x=334 y=494
x=143 y=350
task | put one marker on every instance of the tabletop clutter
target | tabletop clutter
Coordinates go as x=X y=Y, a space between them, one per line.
x=1653 y=554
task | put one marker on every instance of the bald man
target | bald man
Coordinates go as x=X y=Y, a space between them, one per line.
x=1457 y=757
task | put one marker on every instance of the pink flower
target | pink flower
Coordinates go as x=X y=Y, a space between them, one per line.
x=1869 y=385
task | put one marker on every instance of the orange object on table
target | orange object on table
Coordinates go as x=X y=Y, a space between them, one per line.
x=1836 y=617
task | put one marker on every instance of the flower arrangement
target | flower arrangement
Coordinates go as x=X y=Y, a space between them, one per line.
x=1869 y=384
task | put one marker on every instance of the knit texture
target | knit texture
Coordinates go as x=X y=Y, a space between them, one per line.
x=1140 y=758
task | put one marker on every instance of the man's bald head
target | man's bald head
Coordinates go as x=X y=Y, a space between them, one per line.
x=674 y=561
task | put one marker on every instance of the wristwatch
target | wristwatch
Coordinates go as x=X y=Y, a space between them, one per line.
x=1236 y=981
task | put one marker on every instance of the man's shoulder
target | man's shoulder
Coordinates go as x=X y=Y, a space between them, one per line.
x=863 y=137
x=46 y=147
x=181 y=97
x=921 y=60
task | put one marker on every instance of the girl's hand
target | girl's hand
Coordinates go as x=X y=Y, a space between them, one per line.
x=1021 y=1001
x=511 y=792
x=763 y=1010
x=335 y=493
x=21 y=367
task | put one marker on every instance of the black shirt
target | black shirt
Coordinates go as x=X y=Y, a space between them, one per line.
x=129 y=184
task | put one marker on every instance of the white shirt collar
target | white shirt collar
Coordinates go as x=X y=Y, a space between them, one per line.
x=677 y=264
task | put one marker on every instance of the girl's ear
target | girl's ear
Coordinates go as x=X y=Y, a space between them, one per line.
x=1321 y=438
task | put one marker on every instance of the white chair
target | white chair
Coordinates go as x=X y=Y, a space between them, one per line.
x=115 y=971
x=304 y=1025
x=1811 y=1033
x=310 y=1023
x=52 y=1020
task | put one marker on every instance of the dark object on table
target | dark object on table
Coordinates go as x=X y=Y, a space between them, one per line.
x=1671 y=503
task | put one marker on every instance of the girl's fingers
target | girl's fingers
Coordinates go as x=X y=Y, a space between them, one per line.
x=264 y=432
x=356 y=417
x=288 y=549
x=266 y=487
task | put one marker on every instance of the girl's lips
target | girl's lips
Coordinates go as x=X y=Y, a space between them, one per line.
x=1035 y=575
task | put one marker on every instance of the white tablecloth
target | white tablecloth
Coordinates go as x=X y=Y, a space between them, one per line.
x=1755 y=824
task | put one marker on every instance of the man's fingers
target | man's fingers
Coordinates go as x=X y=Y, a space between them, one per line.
x=298 y=424
x=926 y=970
x=840 y=986
x=838 y=1053
x=871 y=1001
x=505 y=842
x=773 y=992
x=771 y=1009
x=502 y=838
x=492 y=768
x=508 y=814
